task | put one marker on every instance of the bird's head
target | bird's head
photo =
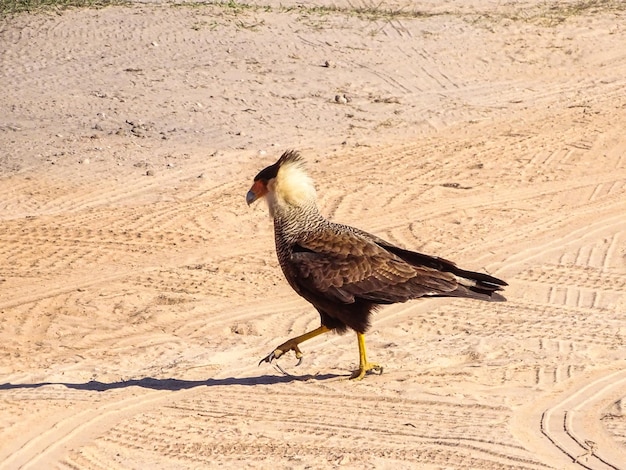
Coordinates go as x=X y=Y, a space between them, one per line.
x=286 y=182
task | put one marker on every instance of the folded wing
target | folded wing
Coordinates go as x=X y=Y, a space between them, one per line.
x=345 y=265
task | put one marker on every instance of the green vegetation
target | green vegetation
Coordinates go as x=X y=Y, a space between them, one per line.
x=370 y=13
x=548 y=13
x=11 y=7
x=554 y=13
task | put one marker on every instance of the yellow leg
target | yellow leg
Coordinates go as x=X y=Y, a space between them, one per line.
x=364 y=366
x=292 y=345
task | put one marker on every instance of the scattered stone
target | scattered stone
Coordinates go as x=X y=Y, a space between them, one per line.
x=149 y=173
x=341 y=99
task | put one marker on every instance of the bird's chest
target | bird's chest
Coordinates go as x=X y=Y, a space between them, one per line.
x=284 y=251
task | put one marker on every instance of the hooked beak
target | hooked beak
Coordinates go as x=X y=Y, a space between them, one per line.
x=258 y=190
x=250 y=197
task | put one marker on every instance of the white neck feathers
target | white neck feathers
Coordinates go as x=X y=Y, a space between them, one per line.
x=291 y=187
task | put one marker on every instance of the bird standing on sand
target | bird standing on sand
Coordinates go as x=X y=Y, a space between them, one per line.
x=344 y=272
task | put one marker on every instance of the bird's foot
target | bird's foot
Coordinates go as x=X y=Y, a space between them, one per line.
x=279 y=351
x=364 y=369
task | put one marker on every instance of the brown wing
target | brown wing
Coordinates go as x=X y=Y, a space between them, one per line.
x=472 y=284
x=342 y=265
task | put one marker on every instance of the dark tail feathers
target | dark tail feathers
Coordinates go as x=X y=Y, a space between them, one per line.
x=479 y=286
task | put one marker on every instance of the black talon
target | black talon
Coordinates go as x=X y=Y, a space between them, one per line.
x=269 y=358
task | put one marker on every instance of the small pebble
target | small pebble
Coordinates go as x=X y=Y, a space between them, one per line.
x=341 y=99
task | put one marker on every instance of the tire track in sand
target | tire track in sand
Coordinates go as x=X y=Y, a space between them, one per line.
x=46 y=446
x=571 y=423
x=253 y=425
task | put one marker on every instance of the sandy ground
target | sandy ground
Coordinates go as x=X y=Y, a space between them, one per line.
x=138 y=291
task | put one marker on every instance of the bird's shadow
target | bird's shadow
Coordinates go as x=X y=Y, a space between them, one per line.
x=172 y=384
